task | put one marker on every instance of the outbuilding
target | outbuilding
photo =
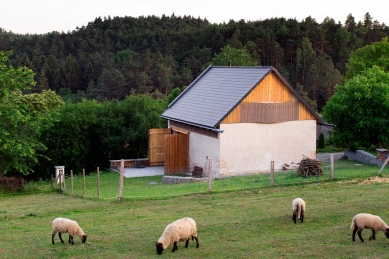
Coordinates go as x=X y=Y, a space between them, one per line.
x=242 y=119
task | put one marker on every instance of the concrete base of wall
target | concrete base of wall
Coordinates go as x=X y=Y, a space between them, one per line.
x=362 y=156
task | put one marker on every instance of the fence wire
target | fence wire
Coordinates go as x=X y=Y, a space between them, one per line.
x=152 y=188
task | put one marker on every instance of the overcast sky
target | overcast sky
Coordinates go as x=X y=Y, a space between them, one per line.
x=43 y=16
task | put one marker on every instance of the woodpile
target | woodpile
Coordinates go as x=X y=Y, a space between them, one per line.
x=309 y=167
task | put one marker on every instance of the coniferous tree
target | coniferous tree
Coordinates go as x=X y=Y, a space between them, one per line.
x=42 y=83
x=52 y=73
x=70 y=77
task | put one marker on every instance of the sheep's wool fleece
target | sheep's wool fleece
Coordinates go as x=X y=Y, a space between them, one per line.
x=179 y=230
x=66 y=225
x=365 y=220
x=298 y=201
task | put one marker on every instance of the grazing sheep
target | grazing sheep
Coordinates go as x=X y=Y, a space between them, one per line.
x=364 y=220
x=62 y=225
x=177 y=231
x=298 y=206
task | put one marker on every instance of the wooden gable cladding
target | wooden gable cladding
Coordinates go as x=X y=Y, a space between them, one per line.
x=271 y=89
x=269 y=112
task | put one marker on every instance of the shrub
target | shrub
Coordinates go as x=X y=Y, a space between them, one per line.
x=12 y=184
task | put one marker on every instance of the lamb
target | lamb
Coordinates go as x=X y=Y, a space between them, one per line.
x=62 y=225
x=364 y=220
x=298 y=206
x=177 y=231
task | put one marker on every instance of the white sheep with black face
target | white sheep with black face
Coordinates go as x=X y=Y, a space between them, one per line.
x=369 y=221
x=298 y=206
x=62 y=225
x=177 y=231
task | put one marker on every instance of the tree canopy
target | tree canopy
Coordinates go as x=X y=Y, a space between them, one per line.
x=359 y=110
x=22 y=116
x=375 y=54
x=234 y=57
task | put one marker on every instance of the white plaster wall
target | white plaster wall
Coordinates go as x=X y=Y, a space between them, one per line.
x=201 y=148
x=250 y=147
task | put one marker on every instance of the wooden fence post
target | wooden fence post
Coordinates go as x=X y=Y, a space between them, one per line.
x=121 y=180
x=64 y=183
x=272 y=173
x=98 y=183
x=210 y=175
x=83 y=182
x=71 y=181
x=332 y=166
x=60 y=180
x=383 y=166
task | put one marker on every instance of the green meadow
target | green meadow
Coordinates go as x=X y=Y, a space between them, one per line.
x=242 y=217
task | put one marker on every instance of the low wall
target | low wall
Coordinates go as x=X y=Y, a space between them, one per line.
x=167 y=179
x=363 y=156
x=115 y=164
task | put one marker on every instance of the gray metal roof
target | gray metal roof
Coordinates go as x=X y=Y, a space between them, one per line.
x=215 y=93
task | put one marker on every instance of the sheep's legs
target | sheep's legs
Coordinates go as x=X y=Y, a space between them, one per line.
x=52 y=236
x=60 y=237
x=373 y=236
x=359 y=234
x=175 y=247
x=302 y=215
x=354 y=231
x=294 y=216
x=70 y=240
x=197 y=241
x=187 y=243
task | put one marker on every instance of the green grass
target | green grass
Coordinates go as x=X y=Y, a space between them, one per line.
x=252 y=222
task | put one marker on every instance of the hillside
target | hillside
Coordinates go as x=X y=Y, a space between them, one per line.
x=114 y=57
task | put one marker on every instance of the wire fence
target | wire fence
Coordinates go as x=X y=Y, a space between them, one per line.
x=114 y=186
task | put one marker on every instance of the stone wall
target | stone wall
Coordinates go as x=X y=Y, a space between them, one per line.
x=167 y=179
x=363 y=156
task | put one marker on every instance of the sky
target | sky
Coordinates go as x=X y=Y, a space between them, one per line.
x=44 y=16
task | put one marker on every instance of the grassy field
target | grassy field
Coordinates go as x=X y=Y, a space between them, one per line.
x=232 y=222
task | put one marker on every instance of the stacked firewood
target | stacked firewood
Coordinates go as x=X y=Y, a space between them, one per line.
x=309 y=167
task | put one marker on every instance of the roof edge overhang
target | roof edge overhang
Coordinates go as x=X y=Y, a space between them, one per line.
x=193 y=124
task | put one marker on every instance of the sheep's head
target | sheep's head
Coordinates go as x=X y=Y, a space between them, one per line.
x=159 y=247
x=387 y=233
x=84 y=238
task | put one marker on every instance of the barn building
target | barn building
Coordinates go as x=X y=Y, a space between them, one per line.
x=237 y=120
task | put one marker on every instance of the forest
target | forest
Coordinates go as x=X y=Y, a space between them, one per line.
x=112 y=58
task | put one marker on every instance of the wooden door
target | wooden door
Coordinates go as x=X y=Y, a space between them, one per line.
x=176 y=153
x=156 y=146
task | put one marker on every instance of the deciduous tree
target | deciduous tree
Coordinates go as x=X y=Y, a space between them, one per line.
x=358 y=109
x=364 y=58
x=22 y=118
x=233 y=56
